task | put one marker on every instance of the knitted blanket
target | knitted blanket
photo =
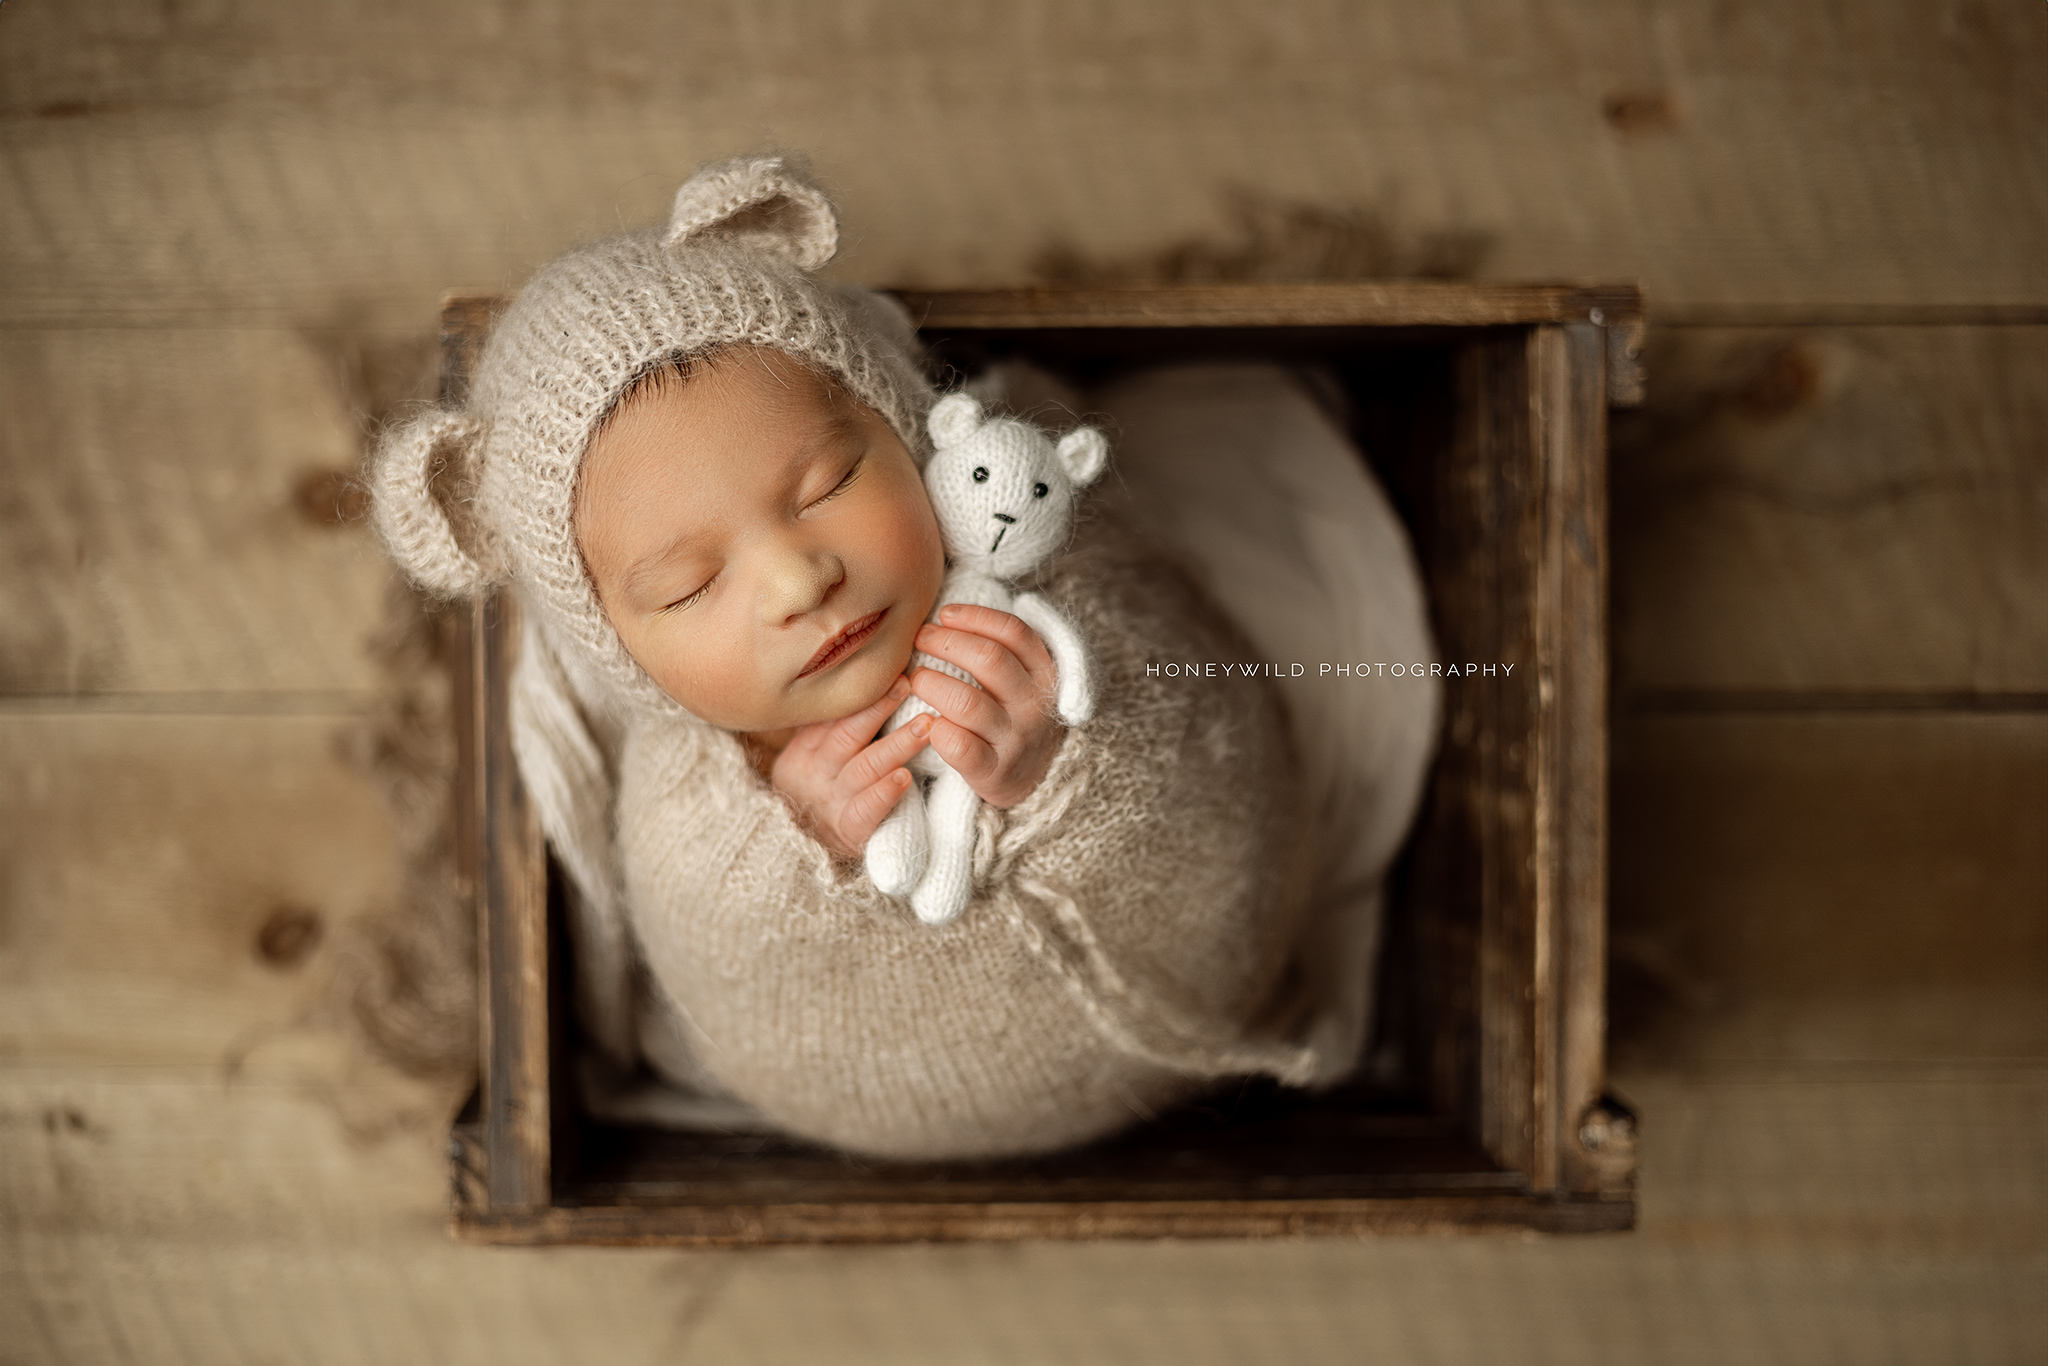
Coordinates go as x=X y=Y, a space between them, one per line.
x=1126 y=938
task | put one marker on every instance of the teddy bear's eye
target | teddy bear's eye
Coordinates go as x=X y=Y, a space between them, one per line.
x=1039 y=490
x=981 y=474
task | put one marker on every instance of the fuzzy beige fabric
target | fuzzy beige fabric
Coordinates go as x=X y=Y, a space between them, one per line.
x=1127 y=933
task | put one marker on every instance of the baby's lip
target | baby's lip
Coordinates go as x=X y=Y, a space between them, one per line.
x=850 y=638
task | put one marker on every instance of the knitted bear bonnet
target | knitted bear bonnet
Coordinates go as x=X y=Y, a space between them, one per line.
x=481 y=494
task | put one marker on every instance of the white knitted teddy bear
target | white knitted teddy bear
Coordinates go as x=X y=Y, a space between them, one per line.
x=1004 y=495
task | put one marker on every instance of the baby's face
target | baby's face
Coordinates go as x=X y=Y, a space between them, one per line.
x=761 y=541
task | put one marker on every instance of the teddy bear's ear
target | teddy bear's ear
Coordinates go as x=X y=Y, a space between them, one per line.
x=954 y=418
x=1083 y=454
x=767 y=202
x=414 y=461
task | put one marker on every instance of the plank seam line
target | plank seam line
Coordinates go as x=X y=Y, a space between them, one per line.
x=1767 y=701
x=288 y=702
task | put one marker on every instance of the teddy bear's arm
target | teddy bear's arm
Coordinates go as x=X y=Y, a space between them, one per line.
x=1077 y=681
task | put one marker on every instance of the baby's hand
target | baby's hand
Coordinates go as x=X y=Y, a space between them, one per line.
x=1001 y=736
x=842 y=785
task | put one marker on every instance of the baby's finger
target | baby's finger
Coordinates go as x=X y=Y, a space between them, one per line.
x=849 y=735
x=891 y=751
x=862 y=815
x=962 y=703
x=972 y=757
x=990 y=662
x=1011 y=630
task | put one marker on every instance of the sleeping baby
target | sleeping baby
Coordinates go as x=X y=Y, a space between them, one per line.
x=701 y=471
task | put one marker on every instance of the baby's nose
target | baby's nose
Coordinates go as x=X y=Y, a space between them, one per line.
x=1006 y=519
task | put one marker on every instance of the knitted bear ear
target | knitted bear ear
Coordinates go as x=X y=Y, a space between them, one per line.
x=1083 y=454
x=763 y=202
x=411 y=521
x=954 y=418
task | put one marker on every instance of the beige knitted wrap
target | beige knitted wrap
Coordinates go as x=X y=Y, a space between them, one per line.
x=1128 y=930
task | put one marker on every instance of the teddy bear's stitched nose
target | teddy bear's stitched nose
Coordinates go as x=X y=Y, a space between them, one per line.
x=1006 y=519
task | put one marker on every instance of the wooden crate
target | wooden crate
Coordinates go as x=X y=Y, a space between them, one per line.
x=1483 y=407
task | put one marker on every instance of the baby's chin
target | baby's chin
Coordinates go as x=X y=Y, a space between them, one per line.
x=853 y=683
x=860 y=680
x=857 y=683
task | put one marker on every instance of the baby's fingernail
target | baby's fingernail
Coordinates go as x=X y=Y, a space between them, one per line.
x=899 y=687
x=921 y=727
x=949 y=611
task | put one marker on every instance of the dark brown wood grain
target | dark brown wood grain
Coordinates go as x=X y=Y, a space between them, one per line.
x=1373 y=303
x=1572 y=782
x=465 y=323
x=850 y=1222
x=1485 y=410
x=1481 y=545
x=507 y=869
x=1513 y=845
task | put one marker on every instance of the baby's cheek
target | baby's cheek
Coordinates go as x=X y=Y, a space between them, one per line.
x=716 y=685
x=687 y=672
x=902 y=529
x=919 y=555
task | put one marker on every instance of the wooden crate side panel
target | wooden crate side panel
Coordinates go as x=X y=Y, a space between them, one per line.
x=1450 y=851
x=465 y=325
x=1510 y=942
x=1324 y=303
x=738 y=1225
x=1480 y=542
x=501 y=861
x=1569 y=976
x=466 y=799
x=514 y=931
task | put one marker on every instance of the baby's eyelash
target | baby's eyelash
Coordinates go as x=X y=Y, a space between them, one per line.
x=846 y=482
x=680 y=603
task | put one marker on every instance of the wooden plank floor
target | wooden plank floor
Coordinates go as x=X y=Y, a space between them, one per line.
x=1794 y=1216
x=223 y=234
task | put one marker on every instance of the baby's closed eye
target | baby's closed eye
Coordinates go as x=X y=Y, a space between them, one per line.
x=845 y=481
x=689 y=599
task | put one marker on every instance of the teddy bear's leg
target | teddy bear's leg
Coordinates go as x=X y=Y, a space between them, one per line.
x=899 y=849
x=949 y=877
x=1076 y=698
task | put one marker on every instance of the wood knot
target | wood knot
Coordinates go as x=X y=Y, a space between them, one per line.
x=1607 y=1127
x=1640 y=111
x=1785 y=383
x=69 y=1119
x=331 y=497
x=288 y=937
